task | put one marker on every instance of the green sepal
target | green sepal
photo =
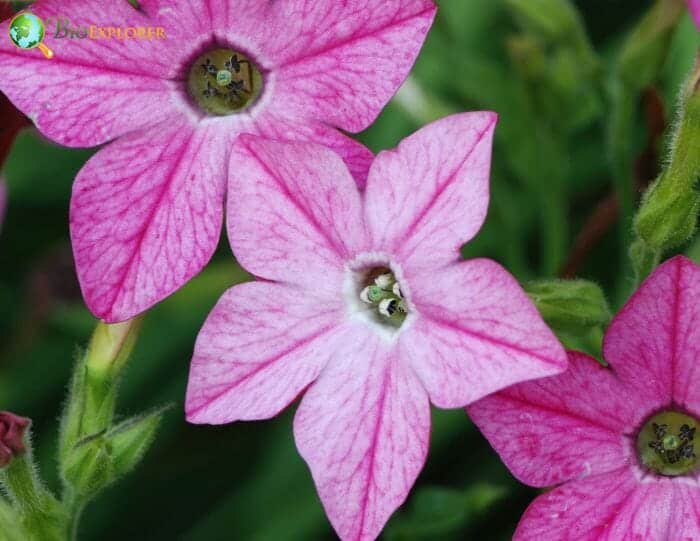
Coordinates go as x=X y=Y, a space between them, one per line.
x=573 y=306
x=91 y=402
x=131 y=439
x=88 y=467
x=102 y=458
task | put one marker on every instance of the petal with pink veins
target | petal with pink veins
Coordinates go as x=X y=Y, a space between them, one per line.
x=564 y=427
x=146 y=216
x=613 y=507
x=429 y=196
x=260 y=347
x=476 y=332
x=356 y=156
x=363 y=429
x=93 y=90
x=294 y=212
x=653 y=343
x=338 y=62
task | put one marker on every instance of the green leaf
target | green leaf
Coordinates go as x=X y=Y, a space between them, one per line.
x=438 y=512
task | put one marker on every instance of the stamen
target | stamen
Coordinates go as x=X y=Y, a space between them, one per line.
x=223 y=82
x=382 y=293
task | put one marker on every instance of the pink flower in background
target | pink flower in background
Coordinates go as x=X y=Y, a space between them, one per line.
x=364 y=303
x=146 y=211
x=621 y=441
x=694 y=6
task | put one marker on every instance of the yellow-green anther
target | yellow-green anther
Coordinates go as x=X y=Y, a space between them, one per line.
x=384 y=281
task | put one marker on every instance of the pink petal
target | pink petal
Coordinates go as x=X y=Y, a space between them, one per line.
x=613 y=507
x=260 y=347
x=430 y=195
x=653 y=343
x=564 y=427
x=477 y=332
x=337 y=62
x=92 y=90
x=363 y=428
x=694 y=6
x=294 y=213
x=357 y=157
x=146 y=216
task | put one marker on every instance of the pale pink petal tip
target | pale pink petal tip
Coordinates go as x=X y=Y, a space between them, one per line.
x=146 y=216
x=259 y=348
x=363 y=429
x=479 y=333
x=430 y=195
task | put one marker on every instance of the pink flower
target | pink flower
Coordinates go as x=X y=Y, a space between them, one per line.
x=694 y=6
x=363 y=300
x=146 y=211
x=619 y=441
x=12 y=430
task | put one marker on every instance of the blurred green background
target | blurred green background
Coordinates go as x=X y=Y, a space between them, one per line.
x=558 y=89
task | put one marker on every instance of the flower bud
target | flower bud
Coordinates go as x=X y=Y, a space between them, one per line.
x=12 y=434
x=669 y=211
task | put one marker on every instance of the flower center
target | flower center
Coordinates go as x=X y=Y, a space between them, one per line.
x=223 y=82
x=381 y=292
x=666 y=444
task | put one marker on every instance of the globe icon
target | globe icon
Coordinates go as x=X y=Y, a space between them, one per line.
x=27 y=32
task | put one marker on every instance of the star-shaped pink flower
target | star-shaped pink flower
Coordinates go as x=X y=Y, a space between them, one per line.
x=621 y=441
x=146 y=212
x=364 y=303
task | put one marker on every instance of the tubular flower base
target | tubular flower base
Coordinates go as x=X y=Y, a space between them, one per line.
x=146 y=211
x=622 y=443
x=365 y=304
